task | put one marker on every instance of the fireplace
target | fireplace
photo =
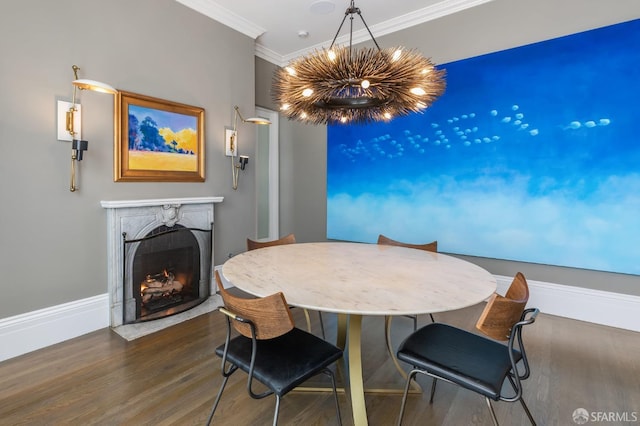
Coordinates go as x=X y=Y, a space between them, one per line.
x=160 y=259
x=165 y=272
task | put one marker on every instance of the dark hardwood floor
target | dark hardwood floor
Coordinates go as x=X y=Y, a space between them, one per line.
x=171 y=378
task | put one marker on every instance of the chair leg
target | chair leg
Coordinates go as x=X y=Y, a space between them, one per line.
x=322 y=325
x=275 y=414
x=415 y=323
x=526 y=410
x=433 y=390
x=524 y=405
x=335 y=393
x=432 y=319
x=412 y=374
x=493 y=413
x=215 y=404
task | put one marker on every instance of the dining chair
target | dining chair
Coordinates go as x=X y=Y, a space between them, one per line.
x=287 y=239
x=270 y=349
x=432 y=247
x=475 y=362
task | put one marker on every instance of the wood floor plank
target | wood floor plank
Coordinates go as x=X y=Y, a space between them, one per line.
x=171 y=378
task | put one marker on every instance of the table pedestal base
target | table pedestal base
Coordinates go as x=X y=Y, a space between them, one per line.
x=351 y=326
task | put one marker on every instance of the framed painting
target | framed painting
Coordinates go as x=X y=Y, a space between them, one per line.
x=157 y=140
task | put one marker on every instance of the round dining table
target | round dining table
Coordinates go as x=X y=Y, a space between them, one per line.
x=358 y=279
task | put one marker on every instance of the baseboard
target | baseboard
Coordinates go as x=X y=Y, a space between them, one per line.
x=595 y=306
x=28 y=332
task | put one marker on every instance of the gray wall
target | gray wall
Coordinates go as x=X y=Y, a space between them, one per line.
x=498 y=25
x=53 y=241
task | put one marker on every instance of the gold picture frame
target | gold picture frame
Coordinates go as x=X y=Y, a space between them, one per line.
x=157 y=140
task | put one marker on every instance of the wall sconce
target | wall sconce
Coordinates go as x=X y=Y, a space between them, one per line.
x=69 y=123
x=231 y=144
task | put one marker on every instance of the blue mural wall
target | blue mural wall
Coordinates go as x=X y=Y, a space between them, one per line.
x=532 y=154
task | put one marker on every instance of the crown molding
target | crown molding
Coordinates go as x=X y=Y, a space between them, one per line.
x=420 y=16
x=269 y=55
x=214 y=11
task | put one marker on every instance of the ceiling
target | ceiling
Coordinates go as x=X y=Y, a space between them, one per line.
x=276 y=24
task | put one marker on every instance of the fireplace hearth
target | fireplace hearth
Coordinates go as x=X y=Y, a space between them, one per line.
x=160 y=261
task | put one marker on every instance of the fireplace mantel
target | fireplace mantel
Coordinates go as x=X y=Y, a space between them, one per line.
x=159 y=202
x=136 y=218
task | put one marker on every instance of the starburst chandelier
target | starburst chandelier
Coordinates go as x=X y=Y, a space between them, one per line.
x=347 y=85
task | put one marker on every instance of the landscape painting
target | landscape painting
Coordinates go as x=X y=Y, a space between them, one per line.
x=532 y=154
x=158 y=140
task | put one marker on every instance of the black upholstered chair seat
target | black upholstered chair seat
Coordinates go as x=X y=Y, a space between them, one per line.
x=469 y=360
x=270 y=349
x=475 y=362
x=305 y=356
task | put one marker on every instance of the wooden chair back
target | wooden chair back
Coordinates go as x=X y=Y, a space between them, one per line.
x=502 y=312
x=270 y=315
x=432 y=246
x=287 y=239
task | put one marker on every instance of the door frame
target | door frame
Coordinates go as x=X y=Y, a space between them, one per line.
x=274 y=173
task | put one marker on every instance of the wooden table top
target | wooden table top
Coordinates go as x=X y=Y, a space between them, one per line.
x=356 y=278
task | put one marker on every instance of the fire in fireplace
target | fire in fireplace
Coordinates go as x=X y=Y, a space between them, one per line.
x=165 y=273
x=160 y=290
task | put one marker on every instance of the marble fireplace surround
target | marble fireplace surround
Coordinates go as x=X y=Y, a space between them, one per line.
x=137 y=218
